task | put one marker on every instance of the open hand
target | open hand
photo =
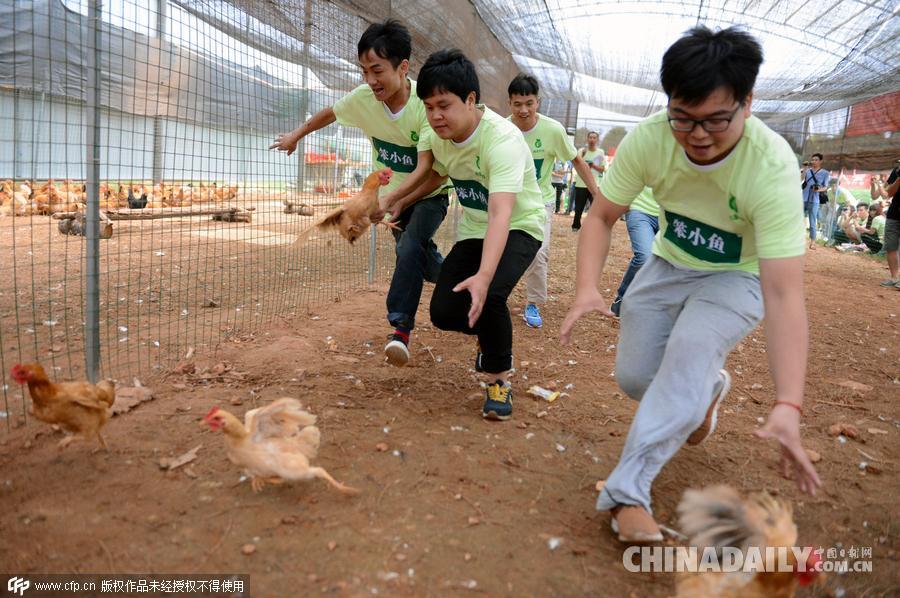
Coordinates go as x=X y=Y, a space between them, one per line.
x=592 y=302
x=477 y=286
x=784 y=425
x=285 y=142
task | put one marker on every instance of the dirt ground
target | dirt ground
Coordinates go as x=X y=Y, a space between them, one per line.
x=451 y=504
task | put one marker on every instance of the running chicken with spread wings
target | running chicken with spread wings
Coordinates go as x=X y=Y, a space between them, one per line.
x=274 y=444
x=354 y=217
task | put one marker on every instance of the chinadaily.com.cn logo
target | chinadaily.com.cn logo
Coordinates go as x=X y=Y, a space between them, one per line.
x=795 y=559
x=17 y=585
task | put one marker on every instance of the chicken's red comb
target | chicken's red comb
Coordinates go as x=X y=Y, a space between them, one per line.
x=211 y=413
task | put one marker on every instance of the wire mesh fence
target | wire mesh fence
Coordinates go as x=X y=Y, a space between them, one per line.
x=195 y=241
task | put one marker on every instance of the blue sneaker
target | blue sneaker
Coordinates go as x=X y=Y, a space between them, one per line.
x=498 y=401
x=533 y=316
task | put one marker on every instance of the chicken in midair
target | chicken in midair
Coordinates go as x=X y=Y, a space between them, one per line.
x=354 y=217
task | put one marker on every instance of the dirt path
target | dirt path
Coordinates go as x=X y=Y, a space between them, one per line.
x=454 y=505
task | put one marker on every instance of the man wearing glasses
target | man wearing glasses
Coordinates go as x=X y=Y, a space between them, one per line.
x=730 y=250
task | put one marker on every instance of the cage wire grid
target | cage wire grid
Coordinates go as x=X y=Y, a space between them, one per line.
x=189 y=95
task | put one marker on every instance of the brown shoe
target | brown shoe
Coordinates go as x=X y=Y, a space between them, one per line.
x=634 y=525
x=709 y=422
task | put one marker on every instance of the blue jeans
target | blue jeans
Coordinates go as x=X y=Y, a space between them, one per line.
x=418 y=258
x=642 y=228
x=811 y=209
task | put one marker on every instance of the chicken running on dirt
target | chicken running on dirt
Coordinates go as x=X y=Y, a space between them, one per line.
x=354 y=217
x=274 y=444
x=80 y=408
x=718 y=517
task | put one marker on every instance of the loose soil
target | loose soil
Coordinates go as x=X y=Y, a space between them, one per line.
x=454 y=505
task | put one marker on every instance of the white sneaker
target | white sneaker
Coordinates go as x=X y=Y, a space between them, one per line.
x=396 y=351
x=709 y=423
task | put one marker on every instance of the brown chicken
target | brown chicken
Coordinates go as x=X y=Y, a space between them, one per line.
x=274 y=444
x=80 y=408
x=354 y=217
x=718 y=517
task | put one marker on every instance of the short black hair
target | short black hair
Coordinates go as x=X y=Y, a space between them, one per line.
x=523 y=85
x=389 y=40
x=818 y=155
x=703 y=60
x=448 y=71
x=593 y=133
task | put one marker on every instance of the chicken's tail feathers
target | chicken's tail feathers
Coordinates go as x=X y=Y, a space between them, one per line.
x=329 y=220
x=718 y=517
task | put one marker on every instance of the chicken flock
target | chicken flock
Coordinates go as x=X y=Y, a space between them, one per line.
x=67 y=196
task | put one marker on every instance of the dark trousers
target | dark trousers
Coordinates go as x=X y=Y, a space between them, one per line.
x=450 y=310
x=582 y=197
x=560 y=187
x=418 y=258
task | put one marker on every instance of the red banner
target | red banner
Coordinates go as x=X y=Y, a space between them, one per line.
x=875 y=116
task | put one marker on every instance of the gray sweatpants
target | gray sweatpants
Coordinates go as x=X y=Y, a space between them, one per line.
x=677 y=326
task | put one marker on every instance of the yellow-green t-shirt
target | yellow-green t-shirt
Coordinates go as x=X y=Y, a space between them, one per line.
x=494 y=159
x=722 y=216
x=548 y=142
x=396 y=138
x=596 y=157
x=878 y=223
x=645 y=203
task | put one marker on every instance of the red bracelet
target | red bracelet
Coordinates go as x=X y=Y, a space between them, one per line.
x=789 y=404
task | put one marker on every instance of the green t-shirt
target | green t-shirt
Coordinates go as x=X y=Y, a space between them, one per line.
x=878 y=225
x=495 y=159
x=396 y=138
x=596 y=157
x=722 y=216
x=548 y=142
x=645 y=203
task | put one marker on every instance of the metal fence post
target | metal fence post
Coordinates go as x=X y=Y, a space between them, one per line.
x=92 y=211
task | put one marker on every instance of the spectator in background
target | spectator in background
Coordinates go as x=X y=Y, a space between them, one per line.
x=839 y=197
x=867 y=235
x=596 y=160
x=845 y=223
x=558 y=179
x=815 y=181
x=876 y=187
x=876 y=225
x=892 y=228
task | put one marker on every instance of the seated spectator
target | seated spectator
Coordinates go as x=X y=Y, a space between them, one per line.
x=874 y=239
x=846 y=230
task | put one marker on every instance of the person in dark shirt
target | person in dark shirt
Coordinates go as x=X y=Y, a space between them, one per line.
x=892 y=228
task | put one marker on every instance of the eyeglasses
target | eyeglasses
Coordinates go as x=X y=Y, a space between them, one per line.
x=717 y=124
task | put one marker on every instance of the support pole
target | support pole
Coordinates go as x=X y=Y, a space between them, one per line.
x=92 y=211
x=157 y=168
x=304 y=94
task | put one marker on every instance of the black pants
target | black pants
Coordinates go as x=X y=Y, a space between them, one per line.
x=560 y=187
x=582 y=197
x=872 y=242
x=450 y=311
